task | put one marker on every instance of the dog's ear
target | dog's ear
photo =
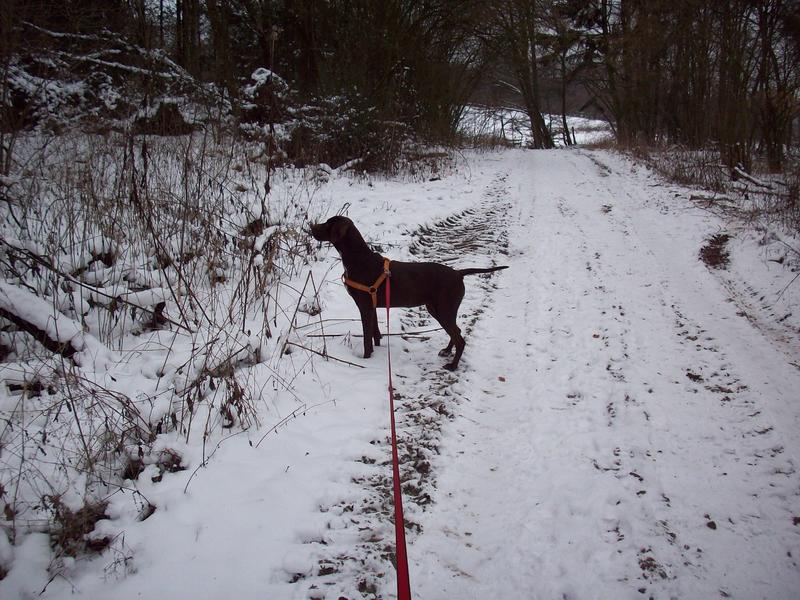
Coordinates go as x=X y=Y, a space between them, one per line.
x=339 y=229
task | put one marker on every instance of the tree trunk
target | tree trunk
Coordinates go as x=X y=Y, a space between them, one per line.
x=773 y=122
x=529 y=71
x=563 y=64
x=187 y=26
x=218 y=18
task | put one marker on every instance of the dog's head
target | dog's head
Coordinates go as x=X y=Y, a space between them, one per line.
x=332 y=230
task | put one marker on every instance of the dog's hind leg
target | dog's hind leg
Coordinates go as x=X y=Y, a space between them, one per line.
x=448 y=323
x=435 y=314
x=457 y=340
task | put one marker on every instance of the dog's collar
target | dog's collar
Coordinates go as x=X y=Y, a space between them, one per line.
x=372 y=290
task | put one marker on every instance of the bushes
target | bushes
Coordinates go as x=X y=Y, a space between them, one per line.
x=99 y=82
x=345 y=130
x=155 y=261
x=338 y=131
x=769 y=198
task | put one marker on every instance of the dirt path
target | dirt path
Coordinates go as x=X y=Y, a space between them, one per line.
x=621 y=431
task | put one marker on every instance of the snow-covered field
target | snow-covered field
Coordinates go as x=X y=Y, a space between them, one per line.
x=512 y=126
x=624 y=423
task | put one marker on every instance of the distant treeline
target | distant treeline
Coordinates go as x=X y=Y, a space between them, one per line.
x=691 y=72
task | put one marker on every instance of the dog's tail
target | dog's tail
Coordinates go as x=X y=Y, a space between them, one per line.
x=464 y=272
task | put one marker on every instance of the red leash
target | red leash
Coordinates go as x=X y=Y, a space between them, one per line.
x=403 y=584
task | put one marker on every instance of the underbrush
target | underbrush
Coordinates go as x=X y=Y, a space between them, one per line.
x=753 y=196
x=150 y=294
x=144 y=279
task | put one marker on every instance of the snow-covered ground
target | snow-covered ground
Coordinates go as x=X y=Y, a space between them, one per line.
x=624 y=423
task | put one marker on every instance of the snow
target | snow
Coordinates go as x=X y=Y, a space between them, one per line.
x=56 y=326
x=618 y=459
x=261 y=77
x=39 y=313
x=624 y=423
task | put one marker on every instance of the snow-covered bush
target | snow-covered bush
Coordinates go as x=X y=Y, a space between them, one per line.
x=99 y=82
x=752 y=194
x=340 y=130
x=136 y=276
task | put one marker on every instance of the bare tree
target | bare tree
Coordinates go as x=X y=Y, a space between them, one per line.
x=514 y=35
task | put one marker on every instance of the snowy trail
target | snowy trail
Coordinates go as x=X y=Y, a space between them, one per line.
x=624 y=423
x=624 y=432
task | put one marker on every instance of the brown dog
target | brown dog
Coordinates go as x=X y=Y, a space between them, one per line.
x=436 y=286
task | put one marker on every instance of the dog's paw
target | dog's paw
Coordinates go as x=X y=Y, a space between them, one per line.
x=450 y=366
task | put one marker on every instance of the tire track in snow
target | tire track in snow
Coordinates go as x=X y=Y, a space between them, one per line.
x=355 y=555
x=465 y=239
x=623 y=453
x=742 y=456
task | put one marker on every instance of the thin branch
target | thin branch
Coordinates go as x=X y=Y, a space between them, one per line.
x=358 y=335
x=347 y=362
x=49 y=266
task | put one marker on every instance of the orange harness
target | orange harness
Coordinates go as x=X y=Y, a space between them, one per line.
x=372 y=290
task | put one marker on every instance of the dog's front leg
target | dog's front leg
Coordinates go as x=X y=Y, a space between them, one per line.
x=376 y=331
x=368 y=324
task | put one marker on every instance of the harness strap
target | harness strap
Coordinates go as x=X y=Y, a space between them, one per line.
x=372 y=290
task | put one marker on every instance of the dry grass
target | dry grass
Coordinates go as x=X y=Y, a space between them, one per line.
x=166 y=251
x=758 y=198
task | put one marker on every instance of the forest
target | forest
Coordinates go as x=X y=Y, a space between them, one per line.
x=692 y=73
x=161 y=298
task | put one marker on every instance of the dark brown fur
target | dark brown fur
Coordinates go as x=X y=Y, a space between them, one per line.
x=438 y=287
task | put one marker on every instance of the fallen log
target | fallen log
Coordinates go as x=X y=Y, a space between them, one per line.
x=51 y=328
